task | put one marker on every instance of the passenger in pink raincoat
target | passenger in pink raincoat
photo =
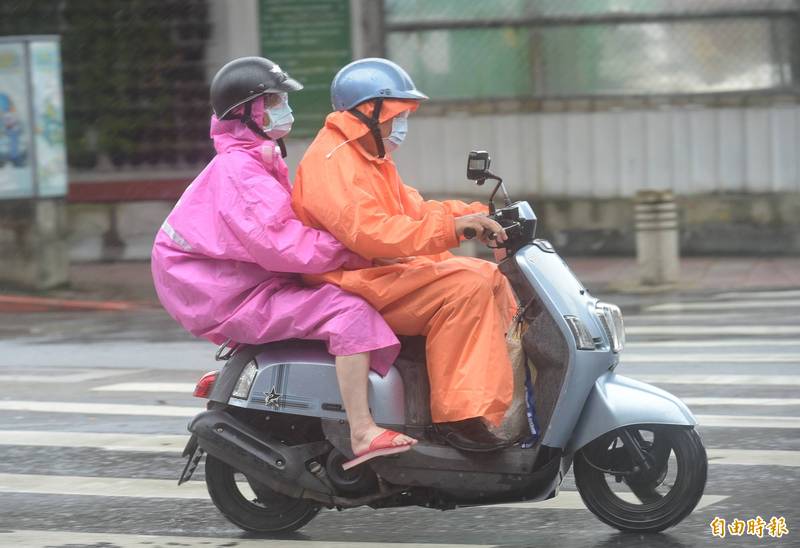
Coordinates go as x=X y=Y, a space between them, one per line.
x=227 y=261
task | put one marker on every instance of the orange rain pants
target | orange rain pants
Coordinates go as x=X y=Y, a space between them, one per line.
x=462 y=305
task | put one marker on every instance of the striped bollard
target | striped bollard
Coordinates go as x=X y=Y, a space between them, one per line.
x=657 y=249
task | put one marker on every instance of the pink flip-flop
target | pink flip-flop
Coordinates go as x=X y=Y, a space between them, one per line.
x=380 y=446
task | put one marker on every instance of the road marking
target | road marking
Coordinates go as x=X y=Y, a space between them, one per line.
x=150 y=443
x=181 y=387
x=101 y=487
x=124 y=354
x=48 y=539
x=46 y=375
x=748 y=421
x=710 y=358
x=780 y=294
x=566 y=501
x=174 y=444
x=753 y=457
x=742 y=401
x=100 y=408
x=747 y=380
x=767 y=402
x=713 y=343
x=713 y=330
x=733 y=305
x=639 y=319
x=156 y=488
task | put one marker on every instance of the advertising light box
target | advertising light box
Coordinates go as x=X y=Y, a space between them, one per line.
x=33 y=159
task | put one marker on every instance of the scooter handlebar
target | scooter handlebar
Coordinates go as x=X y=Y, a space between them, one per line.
x=470 y=233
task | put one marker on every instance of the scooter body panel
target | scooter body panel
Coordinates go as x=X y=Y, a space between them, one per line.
x=562 y=294
x=616 y=401
x=299 y=377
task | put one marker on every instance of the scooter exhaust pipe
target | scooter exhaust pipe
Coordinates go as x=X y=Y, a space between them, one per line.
x=280 y=467
x=259 y=456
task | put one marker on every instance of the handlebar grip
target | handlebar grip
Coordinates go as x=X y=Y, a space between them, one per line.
x=470 y=233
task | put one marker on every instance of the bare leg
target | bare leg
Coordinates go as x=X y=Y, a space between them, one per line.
x=352 y=373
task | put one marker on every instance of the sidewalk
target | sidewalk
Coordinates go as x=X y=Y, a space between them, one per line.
x=127 y=285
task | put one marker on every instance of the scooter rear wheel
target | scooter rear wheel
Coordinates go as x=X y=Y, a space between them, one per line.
x=268 y=512
x=642 y=502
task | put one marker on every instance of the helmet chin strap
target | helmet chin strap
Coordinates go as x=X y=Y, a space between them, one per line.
x=373 y=123
x=247 y=120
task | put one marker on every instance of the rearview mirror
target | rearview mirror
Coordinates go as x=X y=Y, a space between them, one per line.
x=478 y=165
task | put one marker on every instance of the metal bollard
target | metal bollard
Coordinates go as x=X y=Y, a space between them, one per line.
x=657 y=250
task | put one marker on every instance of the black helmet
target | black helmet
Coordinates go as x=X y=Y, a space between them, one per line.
x=244 y=79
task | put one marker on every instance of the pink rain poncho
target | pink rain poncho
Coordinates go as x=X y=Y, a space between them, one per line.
x=227 y=260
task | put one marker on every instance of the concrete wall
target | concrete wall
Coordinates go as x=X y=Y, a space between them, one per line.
x=33 y=251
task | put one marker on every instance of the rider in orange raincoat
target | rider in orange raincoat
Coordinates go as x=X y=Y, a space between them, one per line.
x=347 y=185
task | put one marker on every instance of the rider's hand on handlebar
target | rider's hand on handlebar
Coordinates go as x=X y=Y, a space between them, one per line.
x=481 y=225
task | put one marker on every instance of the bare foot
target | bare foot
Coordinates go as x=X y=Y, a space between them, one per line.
x=360 y=439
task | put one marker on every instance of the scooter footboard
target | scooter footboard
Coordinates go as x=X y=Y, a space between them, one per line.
x=616 y=401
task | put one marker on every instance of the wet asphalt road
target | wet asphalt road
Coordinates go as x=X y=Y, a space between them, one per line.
x=737 y=365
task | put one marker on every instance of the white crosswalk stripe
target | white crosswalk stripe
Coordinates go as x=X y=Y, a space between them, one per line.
x=158 y=387
x=750 y=342
x=151 y=443
x=690 y=330
x=99 y=408
x=745 y=295
x=64 y=375
x=710 y=358
x=721 y=379
x=718 y=305
x=48 y=539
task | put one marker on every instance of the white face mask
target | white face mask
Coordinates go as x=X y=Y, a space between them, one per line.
x=280 y=118
x=399 y=132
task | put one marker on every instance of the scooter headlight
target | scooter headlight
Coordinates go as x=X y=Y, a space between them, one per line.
x=245 y=382
x=611 y=319
x=583 y=339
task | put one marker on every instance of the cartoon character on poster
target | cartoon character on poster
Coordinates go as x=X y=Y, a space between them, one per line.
x=13 y=147
x=16 y=172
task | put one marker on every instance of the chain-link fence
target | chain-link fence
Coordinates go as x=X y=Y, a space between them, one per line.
x=473 y=49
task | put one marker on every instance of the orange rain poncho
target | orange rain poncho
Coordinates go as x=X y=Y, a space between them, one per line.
x=462 y=305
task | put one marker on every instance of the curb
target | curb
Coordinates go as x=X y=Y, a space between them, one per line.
x=25 y=303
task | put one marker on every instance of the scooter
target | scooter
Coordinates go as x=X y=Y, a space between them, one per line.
x=276 y=435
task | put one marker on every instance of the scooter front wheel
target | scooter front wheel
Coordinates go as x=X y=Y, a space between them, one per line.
x=251 y=506
x=642 y=478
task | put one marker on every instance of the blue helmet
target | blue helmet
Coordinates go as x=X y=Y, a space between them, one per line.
x=371 y=78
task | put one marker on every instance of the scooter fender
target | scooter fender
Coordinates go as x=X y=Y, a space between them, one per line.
x=616 y=401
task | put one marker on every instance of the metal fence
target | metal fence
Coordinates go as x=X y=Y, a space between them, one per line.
x=474 y=49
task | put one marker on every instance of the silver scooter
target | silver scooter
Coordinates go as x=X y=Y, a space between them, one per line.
x=276 y=435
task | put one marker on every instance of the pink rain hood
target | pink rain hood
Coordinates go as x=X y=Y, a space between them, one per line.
x=228 y=258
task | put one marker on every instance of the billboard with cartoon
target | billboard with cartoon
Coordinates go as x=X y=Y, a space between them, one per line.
x=32 y=151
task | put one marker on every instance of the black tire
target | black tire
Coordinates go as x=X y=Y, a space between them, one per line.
x=271 y=512
x=655 y=511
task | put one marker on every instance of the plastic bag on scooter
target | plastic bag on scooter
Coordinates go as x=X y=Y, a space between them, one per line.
x=520 y=422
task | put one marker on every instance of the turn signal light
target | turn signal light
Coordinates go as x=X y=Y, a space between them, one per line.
x=205 y=384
